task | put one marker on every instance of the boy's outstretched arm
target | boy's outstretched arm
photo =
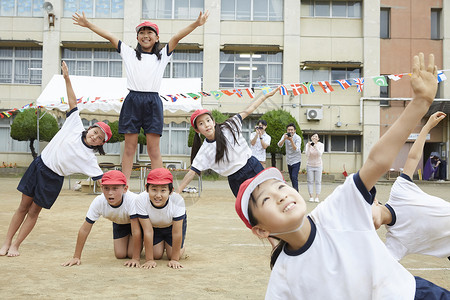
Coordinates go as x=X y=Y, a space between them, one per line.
x=415 y=153
x=83 y=234
x=257 y=103
x=82 y=21
x=384 y=152
x=72 y=99
x=202 y=18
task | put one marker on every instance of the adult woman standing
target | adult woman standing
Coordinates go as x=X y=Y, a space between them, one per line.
x=314 y=151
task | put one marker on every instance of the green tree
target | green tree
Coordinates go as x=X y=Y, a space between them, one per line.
x=277 y=120
x=116 y=136
x=24 y=127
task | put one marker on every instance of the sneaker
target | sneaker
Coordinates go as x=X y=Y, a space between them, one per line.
x=317 y=200
x=311 y=199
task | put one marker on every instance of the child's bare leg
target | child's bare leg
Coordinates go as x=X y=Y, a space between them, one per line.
x=380 y=214
x=158 y=250
x=153 y=150
x=121 y=247
x=25 y=229
x=131 y=141
x=169 y=251
x=15 y=223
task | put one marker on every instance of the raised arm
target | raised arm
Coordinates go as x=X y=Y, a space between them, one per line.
x=257 y=103
x=72 y=99
x=384 y=152
x=202 y=18
x=187 y=178
x=82 y=21
x=83 y=234
x=415 y=153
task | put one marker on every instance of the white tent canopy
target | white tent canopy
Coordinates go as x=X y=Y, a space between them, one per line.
x=106 y=94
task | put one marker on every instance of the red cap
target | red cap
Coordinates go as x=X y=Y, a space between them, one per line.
x=148 y=24
x=114 y=177
x=105 y=128
x=198 y=113
x=247 y=188
x=159 y=176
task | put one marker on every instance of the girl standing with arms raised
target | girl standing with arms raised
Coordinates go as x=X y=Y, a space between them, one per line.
x=144 y=66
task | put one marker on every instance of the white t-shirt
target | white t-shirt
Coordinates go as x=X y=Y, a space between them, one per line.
x=238 y=154
x=257 y=149
x=119 y=215
x=422 y=224
x=143 y=75
x=161 y=217
x=67 y=153
x=344 y=258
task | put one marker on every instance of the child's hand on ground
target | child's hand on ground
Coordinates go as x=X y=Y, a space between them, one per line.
x=132 y=263
x=202 y=18
x=65 y=70
x=73 y=261
x=80 y=20
x=149 y=264
x=174 y=264
x=435 y=119
x=424 y=80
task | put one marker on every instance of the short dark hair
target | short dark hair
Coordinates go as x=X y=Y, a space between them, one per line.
x=170 y=186
x=264 y=122
x=291 y=124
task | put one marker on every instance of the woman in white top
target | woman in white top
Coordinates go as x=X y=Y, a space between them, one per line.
x=314 y=151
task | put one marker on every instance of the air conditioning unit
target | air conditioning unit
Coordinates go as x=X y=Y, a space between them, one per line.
x=314 y=114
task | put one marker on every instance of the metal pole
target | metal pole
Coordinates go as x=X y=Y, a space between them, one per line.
x=37 y=125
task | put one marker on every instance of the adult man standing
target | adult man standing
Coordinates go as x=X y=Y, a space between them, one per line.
x=259 y=141
x=293 y=152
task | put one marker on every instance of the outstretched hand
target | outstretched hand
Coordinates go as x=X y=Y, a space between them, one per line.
x=272 y=92
x=435 y=119
x=202 y=18
x=80 y=20
x=65 y=70
x=424 y=80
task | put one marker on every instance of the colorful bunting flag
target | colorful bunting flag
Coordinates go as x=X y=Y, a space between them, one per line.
x=174 y=98
x=165 y=98
x=380 y=80
x=395 y=77
x=308 y=87
x=360 y=83
x=266 y=89
x=238 y=92
x=227 y=92
x=326 y=86
x=63 y=101
x=250 y=92
x=205 y=94
x=441 y=77
x=345 y=84
x=283 y=90
x=297 y=89
x=193 y=96
x=217 y=94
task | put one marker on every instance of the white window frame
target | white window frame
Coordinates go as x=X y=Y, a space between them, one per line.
x=35 y=6
x=251 y=17
x=11 y=144
x=326 y=139
x=74 y=70
x=32 y=70
x=190 y=60
x=116 y=8
x=309 y=9
x=329 y=70
x=193 y=12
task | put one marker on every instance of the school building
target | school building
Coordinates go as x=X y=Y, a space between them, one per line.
x=244 y=44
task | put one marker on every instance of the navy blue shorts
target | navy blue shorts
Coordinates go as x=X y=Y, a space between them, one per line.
x=251 y=169
x=41 y=183
x=141 y=110
x=426 y=290
x=121 y=230
x=165 y=234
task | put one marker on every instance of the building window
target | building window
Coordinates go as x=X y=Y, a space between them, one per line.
x=185 y=64
x=345 y=143
x=21 y=8
x=252 y=10
x=9 y=144
x=331 y=8
x=94 y=8
x=93 y=62
x=435 y=24
x=316 y=74
x=385 y=92
x=239 y=69
x=385 y=23
x=171 y=9
x=21 y=65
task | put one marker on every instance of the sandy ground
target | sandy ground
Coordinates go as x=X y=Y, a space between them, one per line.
x=223 y=260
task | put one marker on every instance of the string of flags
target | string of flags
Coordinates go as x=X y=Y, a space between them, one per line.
x=296 y=88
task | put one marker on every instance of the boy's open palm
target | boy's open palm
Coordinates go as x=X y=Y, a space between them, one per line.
x=80 y=20
x=424 y=79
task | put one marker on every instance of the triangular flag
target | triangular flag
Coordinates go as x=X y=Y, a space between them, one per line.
x=250 y=92
x=193 y=96
x=360 y=83
x=205 y=94
x=380 y=80
x=326 y=86
x=345 y=84
x=266 y=89
x=165 y=98
x=309 y=88
x=174 y=98
x=297 y=89
x=217 y=94
x=238 y=92
x=395 y=77
x=441 y=77
x=227 y=92
x=283 y=90
x=63 y=101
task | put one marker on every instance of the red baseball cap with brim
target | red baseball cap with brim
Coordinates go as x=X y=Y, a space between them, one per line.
x=105 y=128
x=198 y=113
x=148 y=24
x=114 y=177
x=159 y=176
x=247 y=188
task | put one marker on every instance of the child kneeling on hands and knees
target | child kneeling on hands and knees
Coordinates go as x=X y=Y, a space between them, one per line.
x=335 y=251
x=71 y=150
x=116 y=204
x=162 y=215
